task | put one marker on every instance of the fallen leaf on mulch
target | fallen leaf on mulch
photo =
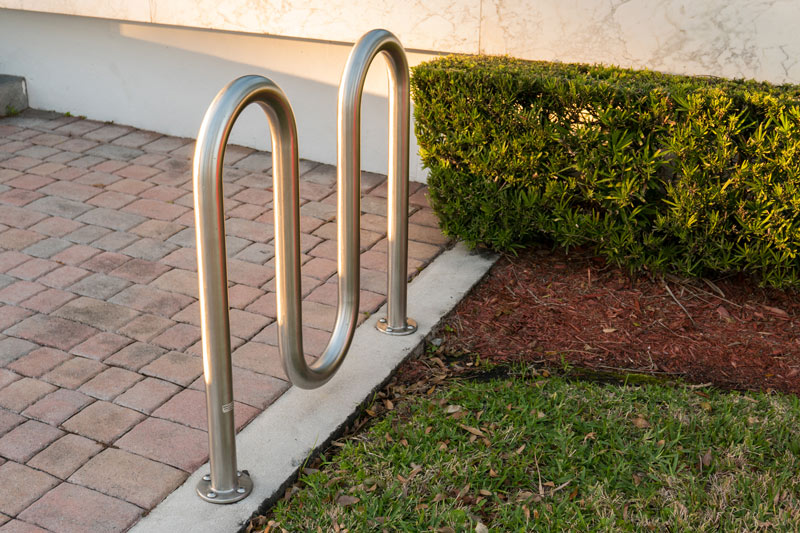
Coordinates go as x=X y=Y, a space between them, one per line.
x=724 y=314
x=776 y=311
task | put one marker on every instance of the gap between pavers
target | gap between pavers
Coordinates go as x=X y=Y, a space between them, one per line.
x=277 y=443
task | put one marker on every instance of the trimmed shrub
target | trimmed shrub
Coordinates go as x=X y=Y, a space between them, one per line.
x=655 y=171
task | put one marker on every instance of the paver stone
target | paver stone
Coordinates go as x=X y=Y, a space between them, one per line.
x=135 y=356
x=74 y=372
x=176 y=367
x=97 y=313
x=110 y=383
x=129 y=477
x=38 y=361
x=26 y=440
x=65 y=456
x=18 y=526
x=101 y=346
x=103 y=421
x=147 y=395
x=22 y=393
x=72 y=509
x=57 y=406
x=167 y=442
x=21 y=487
x=9 y=421
x=52 y=331
x=188 y=407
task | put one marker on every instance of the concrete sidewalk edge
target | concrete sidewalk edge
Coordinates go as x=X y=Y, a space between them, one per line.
x=277 y=443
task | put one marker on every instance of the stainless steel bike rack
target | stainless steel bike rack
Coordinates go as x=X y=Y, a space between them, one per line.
x=226 y=484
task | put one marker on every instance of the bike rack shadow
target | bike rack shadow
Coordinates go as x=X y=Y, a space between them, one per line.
x=225 y=483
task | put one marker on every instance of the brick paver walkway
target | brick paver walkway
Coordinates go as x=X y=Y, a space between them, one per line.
x=102 y=409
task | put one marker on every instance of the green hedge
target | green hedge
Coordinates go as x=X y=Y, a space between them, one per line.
x=656 y=171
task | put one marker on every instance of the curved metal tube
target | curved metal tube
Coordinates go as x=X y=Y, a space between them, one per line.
x=348 y=176
x=225 y=484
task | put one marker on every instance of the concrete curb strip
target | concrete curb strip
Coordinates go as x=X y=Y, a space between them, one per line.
x=276 y=444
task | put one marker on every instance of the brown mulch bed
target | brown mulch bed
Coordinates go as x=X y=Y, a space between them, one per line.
x=555 y=307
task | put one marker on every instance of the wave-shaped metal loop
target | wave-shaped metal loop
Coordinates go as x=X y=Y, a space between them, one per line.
x=348 y=169
x=226 y=484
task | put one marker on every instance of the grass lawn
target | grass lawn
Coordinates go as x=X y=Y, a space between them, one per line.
x=534 y=451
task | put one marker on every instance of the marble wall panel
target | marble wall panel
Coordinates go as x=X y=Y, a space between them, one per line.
x=451 y=25
x=729 y=38
x=448 y=25
x=133 y=10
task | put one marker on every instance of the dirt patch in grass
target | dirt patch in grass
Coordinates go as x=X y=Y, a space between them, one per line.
x=573 y=308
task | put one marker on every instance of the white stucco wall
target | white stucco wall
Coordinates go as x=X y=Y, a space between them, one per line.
x=158 y=63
